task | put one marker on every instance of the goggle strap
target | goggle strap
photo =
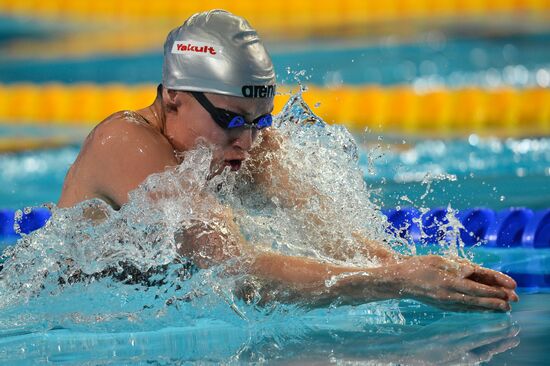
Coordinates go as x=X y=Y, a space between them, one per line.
x=201 y=98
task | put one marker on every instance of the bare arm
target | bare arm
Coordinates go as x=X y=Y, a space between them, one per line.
x=269 y=171
x=453 y=285
x=431 y=279
x=127 y=154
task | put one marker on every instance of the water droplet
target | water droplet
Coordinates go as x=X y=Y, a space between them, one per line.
x=502 y=198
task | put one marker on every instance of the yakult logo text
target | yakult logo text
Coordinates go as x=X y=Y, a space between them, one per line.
x=192 y=47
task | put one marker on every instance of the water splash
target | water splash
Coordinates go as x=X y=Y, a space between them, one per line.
x=92 y=266
x=329 y=205
x=443 y=231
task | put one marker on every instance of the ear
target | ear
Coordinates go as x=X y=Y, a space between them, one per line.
x=172 y=99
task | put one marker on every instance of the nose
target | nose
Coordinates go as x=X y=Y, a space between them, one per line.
x=245 y=138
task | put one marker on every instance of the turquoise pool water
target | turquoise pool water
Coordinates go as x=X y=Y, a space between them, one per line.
x=109 y=323
x=488 y=172
x=343 y=336
x=486 y=58
x=491 y=172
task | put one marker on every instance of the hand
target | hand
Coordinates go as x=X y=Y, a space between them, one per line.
x=456 y=285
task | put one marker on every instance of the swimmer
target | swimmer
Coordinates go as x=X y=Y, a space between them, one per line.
x=218 y=87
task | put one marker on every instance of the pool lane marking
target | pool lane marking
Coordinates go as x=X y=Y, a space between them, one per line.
x=397 y=109
x=22 y=144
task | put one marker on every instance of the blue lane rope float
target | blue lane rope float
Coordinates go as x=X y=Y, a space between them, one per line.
x=476 y=221
x=508 y=228
x=537 y=231
x=12 y=224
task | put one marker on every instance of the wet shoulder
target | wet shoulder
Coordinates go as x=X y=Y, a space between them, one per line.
x=119 y=154
x=123 y=143
x=128 y=132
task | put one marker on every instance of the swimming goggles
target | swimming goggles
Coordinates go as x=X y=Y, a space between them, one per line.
x=227 y=119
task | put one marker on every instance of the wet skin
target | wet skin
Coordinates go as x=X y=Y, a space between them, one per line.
x=127 y=147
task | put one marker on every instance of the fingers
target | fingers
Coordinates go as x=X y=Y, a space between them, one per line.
x=481 y=303
x=486 y=283
x=469 y=287
x=490 y=277
x=512 y=296
x=463 y=286
x=475 y=272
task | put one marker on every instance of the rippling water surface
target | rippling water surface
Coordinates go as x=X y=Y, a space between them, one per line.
x=118 y=289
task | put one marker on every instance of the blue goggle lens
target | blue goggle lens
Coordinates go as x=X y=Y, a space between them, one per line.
x=264 y=121
x=237 y=121
x=259 y=123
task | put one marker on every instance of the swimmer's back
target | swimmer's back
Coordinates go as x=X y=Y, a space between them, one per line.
x=115 y=158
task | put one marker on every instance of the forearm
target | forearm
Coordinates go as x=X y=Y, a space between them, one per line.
x=378 y=250
x=434 y=280
x=312 y=283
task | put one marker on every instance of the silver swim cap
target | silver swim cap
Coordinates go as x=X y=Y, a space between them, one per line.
x=218 y=52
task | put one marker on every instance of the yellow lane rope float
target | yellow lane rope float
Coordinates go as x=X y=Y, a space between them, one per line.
x=398 y=109
x=129 y=26
x=20 y=144
x=295 y=18
x=304 y=11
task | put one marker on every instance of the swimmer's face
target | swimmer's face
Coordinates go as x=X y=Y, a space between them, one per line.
x=190 y=124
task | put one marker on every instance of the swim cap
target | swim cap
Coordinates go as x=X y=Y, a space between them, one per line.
x=218 y=52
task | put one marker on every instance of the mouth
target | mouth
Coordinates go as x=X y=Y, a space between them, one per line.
x=234 y=164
